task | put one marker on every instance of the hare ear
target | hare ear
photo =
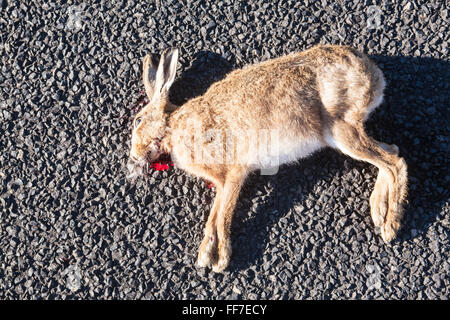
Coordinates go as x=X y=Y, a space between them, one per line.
x=150 y=66
x=167 y=69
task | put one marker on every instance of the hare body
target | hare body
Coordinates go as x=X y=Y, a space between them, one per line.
x=300 y=95
x=268 y=114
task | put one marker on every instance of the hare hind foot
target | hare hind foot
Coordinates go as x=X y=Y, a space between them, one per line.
x=380 y=205
x=379 y=200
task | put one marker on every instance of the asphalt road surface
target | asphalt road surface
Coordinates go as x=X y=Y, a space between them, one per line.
x=72 y=226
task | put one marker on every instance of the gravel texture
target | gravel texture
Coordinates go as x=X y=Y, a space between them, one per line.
x=73 y=227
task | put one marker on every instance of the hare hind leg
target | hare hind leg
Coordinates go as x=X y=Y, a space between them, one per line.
x=391 y=148
x=386 y=201
x=379 y=197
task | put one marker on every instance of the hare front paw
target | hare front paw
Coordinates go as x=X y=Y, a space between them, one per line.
x=224 y=256
x=206 y=253
x=389 y=230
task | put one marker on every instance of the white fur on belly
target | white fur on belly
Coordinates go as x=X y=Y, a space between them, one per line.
x=284 y=150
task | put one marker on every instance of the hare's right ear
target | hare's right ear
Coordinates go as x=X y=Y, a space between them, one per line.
x=165 y=74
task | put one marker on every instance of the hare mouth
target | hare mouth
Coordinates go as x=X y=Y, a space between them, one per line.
x=138 y=168
x=135 y=168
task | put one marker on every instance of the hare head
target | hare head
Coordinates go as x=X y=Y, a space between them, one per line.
x=150 y=124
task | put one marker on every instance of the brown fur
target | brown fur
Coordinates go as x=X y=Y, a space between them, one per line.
x=315 y=98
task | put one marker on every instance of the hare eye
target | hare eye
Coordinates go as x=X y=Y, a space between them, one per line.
x=137 y=121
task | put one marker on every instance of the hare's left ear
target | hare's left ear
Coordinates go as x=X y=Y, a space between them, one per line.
x=150 y=66
x=165 y=74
